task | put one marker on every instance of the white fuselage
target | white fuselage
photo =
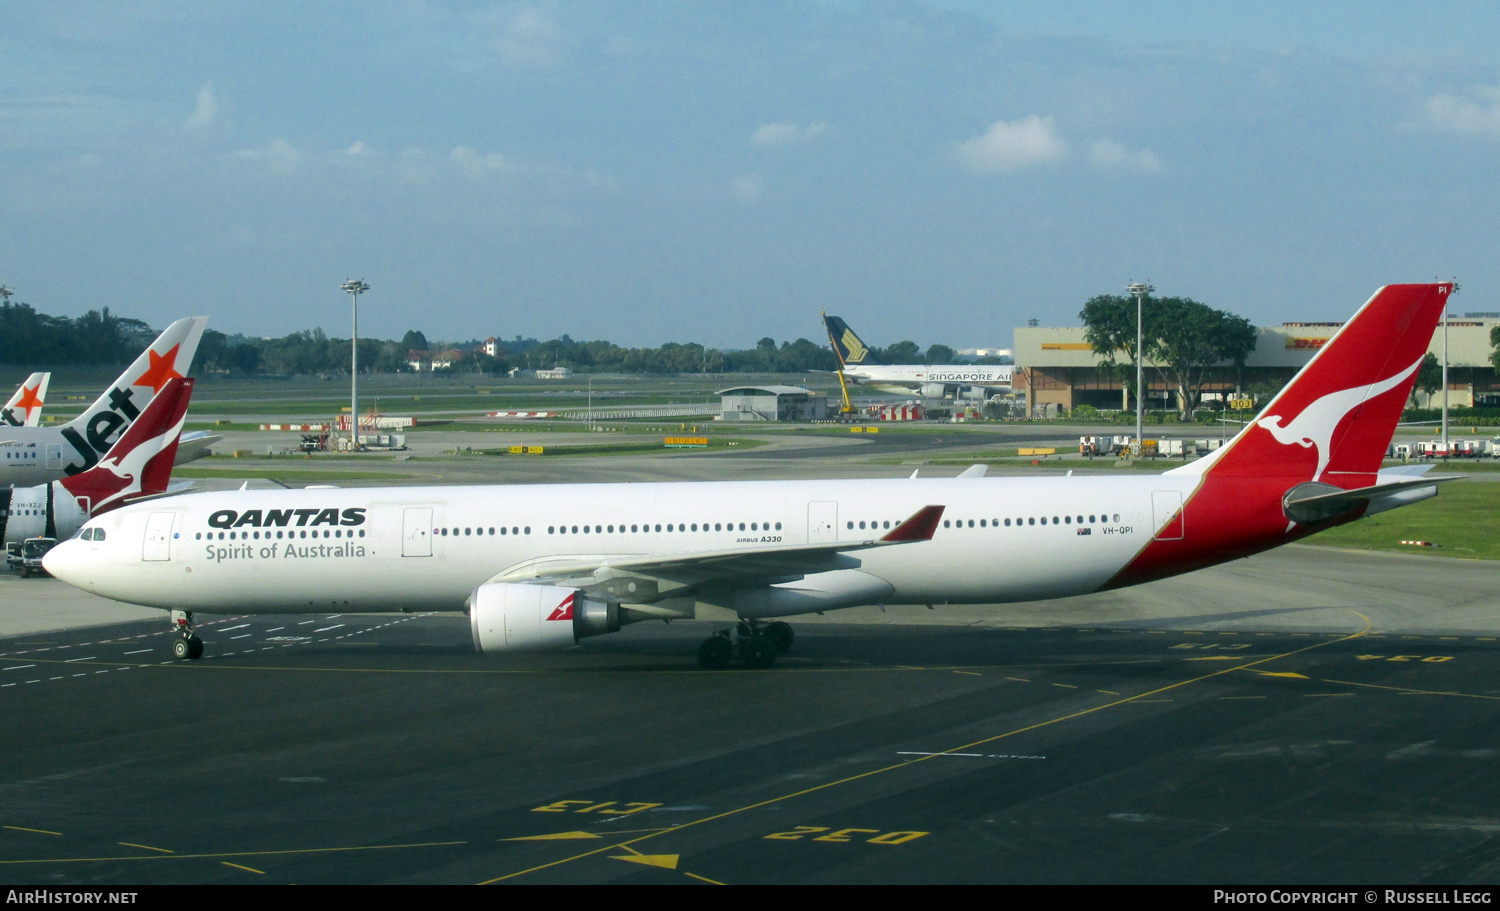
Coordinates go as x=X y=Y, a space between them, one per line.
x=39 y=511
x=1001 y=539
x=32 y=455
x=916 y=375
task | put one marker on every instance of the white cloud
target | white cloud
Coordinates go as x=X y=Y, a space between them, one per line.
x=359 y=148
x=1106 y=153
x=206 y=111
x=776 y=135
x=530 y=40
x=279 y=156
x=474 y=164
x=1479 y=116
x=1006 y=147
x=747 y=188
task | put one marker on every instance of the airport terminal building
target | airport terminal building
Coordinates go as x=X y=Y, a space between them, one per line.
x=1056 y=369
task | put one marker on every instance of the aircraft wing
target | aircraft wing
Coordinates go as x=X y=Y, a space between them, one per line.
x=650 y=578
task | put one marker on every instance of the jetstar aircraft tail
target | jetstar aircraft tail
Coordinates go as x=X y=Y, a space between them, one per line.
x=170 y=356
x=139 y=464
x=25 y=407
x=846 y=345
x=1323 y=435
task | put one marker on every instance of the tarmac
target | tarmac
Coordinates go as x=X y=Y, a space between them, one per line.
x=1308 y=715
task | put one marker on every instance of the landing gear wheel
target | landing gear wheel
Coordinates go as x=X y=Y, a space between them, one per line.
x=187 y=648
x=758 y=652
x=715 y=652
x=780 y=635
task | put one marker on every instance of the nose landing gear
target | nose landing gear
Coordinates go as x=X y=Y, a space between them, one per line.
x=187 y=647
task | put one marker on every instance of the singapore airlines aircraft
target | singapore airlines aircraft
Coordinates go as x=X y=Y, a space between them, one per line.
x=139 y=464
x=859 y=365
x=25 y=407
x=542 y=566
x=37 y=455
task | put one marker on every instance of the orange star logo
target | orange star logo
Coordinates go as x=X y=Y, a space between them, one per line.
x=162 y=369
x=30 y=401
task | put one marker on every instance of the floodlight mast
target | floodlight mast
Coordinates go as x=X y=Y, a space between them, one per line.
x=1140 y=290
x=5 y=295
x=355 y=287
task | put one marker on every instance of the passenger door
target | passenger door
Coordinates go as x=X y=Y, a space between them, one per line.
x=158 y=544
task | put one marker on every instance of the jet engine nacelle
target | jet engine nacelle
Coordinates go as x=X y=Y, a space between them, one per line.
x=933 y=390
x=512 y=616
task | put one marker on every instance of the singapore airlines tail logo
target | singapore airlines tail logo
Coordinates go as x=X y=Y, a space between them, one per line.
x=1317 y=422
x=855 y=347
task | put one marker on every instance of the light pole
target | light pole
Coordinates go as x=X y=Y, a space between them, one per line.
x=1140 y=291
x=355 y=287
x=1445 y=368
x=5 y=294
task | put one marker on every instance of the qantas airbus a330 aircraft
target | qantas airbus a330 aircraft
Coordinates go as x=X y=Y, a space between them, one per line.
x=542 y=566
x=36 y=455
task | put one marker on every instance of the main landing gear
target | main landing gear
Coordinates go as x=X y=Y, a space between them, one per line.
x=757 y=645
x=187 y=646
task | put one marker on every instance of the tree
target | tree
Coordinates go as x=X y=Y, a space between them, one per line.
x=941 y=354
x=1191 y=338
x=1109 y=328
x=1181 y=337
x=1430 y=376
x=1495 y=341
x=901 y=353
x=414 y=340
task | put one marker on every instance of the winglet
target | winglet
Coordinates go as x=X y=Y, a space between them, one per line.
x=920 y=527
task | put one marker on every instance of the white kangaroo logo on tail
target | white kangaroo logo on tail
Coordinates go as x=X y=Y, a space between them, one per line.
x=1317 y=422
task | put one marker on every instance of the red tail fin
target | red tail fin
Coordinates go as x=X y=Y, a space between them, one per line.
x=140 y=461
x=1334 y=420
x=1332 y=423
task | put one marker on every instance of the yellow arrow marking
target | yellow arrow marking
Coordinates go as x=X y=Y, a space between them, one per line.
x=555 y=836
x=1283 y=674
x=666 y=861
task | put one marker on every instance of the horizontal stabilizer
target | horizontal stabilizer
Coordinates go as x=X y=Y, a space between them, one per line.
x=1314 y=502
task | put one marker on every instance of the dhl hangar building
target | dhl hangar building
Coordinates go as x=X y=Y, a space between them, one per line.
x=1057 y=368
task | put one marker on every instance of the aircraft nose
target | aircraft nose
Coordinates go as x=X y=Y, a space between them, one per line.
x=68 y=561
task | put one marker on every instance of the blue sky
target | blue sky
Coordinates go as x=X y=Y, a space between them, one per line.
x=718 y=172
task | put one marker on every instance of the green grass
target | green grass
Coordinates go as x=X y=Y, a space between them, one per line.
x=1463 y=519
x=251 y=470
x=613 y=449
